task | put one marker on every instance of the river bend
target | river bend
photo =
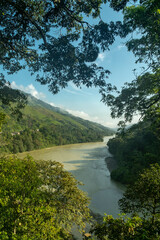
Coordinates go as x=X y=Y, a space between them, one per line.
x=86 y=161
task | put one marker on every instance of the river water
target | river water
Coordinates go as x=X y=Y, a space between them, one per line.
x=86 y=161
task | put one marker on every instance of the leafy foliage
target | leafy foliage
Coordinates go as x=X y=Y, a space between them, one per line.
x=125 y=228
x=141 y=96
x=144 y=18
x=2 y=119
x=134 y=149
x=144 y=195
x=43 y=125
x=137 y=147
x=13 y=99
x=55 y=41
x=141 y=197
x=68 y=54
x=39 y=200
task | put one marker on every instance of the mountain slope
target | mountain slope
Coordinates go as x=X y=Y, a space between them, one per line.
x=43 y=125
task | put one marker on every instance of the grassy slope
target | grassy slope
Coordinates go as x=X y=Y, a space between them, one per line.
x=55 y=125
x=41 y=113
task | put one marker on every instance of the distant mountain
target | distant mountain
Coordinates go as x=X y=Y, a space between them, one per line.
x=32 y=101
x=44 y=125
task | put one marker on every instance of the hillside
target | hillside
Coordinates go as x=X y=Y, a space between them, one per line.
x=43 y=125
x=134 y=150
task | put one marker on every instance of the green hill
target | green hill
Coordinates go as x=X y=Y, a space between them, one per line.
x=43 y=125
x=134 y=150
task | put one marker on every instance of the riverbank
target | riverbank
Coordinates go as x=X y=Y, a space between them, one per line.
x=111 y=163
x=96 y=218
x=86 y=162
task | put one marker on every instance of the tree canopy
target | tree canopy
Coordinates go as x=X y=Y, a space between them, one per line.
x=141 y=96
x=143 y=21
x=136 y=147
x=144 y=195
x=55 y=40
x=126 y=228
x=39 y=200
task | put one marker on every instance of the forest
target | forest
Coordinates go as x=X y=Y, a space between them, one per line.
x=39 y=199
x=43 y=126
x=134 y=150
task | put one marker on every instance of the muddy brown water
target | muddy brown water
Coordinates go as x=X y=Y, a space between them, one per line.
x=86 y=161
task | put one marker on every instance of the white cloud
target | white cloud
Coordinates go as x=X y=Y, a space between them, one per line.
x=76 y=90
x=110 y=123
x=80 y=114
x=120 y=46
x=28 y=89
x=101 y=56
x=136 y=119
x=32 y=90
x=52 y=104
x=70 y=91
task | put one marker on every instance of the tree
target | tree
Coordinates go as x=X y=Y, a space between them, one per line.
x=134 y=150
x=11 y=99
x=141 y=96
x=39 y=200
x=144 y=195
x=54 y=40
x=28 y=38
x=126 y=228
x=144 y=19
x=2 y=119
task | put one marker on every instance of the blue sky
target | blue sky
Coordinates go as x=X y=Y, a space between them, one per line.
x=86 y=102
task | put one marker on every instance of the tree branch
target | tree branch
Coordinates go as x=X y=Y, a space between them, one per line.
x=70 y=13
x=30 y=18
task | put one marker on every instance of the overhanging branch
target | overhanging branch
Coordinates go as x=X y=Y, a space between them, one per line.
x=30 y=18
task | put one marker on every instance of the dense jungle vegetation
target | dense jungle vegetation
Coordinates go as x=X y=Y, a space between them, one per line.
x=43 y=125
x=137 y=147
x=134 y=149
x=39 y=199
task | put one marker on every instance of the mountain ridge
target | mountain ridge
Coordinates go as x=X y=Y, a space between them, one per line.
x=62 y=111
x=44 y=125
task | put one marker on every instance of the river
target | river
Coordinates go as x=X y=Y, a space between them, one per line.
x=86 y=161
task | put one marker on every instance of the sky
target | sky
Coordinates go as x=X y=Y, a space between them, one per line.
x=86 y=103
